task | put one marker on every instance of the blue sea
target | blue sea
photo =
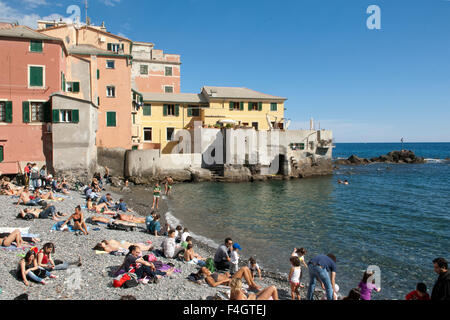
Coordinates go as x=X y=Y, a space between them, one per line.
x=394 y=216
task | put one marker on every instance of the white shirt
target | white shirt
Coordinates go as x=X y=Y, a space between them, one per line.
x=184 y=236
x=234 y=257
x=253 y=268
x=169 y=247
x=296 y=275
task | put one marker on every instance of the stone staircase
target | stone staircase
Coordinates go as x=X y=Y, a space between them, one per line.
x=217 y=172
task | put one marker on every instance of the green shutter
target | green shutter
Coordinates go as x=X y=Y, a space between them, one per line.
x=109 y=46
x=250 y=106
x=26 y=111
x=147 y=110
x=273 y=106
x=36 y=76
x=36 y=46
x=177 y=110
x=165 y=110
x=64 y=83
x=47 y=111
x=189 y=112
x=75 y=116
x=75 y=87
x=259 y=106
x=98 y=73
x=231 y=105
x=8 y=112
x=55 y=113
x=141 y=99
x=241 y=106
x=98 y=101
x=111 y=119
x=1 y=154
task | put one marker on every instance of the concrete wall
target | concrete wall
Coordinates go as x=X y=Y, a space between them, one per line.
x=114 y=159
x=74 y=146
x=79 y=70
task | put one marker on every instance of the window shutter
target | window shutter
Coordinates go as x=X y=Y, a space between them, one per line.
x=98 y=101
x=109 y=46
x=8 y=112
x=231 y=105
x=36 y=76
x=47 y=111
x=250 y=106
x=123 y=47
x=36 y=46
x=111 y=119
x=165 y=110
x=273 y=106
x=189 y=112
x=63 y=82
x=26 y=111
x=177 y=110
x=98 y=73
x=259 y=106
x=241 y=106
x=1 y=154
x=55 y=113
x=75 y=116
x=147 y=110
x=141 y=99
x=75 y=87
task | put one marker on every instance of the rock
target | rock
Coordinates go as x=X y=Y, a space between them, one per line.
x=181 y=175
x=356 y=160
x=258 y=177
x=236 y=173
x=139 y=180
x=200 y=174
x=116 y=182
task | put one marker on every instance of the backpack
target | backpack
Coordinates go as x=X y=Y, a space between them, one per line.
x=119 y=226
x=210 y=265
x=130 y=283
x=180 y=255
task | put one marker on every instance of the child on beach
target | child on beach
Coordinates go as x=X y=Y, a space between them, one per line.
x=419 y=294
x=367 y=287
x=185 y=234
x=156 y=196
x=235 y=258
x=178 y=231
x=300 y=253
x=254 y=267
x=294 y=277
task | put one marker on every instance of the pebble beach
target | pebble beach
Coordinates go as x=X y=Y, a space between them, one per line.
x=97 y=270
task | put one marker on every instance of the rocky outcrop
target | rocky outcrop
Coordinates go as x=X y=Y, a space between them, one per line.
x=236 y=173
x=310 y=167
x=403 y=156
x=200 y=174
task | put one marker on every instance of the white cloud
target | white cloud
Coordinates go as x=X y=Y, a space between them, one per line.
x=34 y=3
x=110 y=3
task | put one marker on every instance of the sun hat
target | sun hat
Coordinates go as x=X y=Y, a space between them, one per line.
x=237 y=246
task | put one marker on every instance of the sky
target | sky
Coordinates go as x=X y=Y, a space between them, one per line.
x=367 y=85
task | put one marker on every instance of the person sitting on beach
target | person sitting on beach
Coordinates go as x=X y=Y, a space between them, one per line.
x=319 y=267
x=353 y=294
x=237 y=292
x=78 y=221
x=254 y=267
x=107 y=200
x=106 y=176
x=222 y=257
x=145 y=268
x=61 y=187
x=29 y=269
x=95 y=186
x=367 y=287
x=294 y=277
x=130 y=218
x=114 y=245
x=45 y=196
x=150 y=218
x=45 y=260
x=184 y=235
x=190 y=255
x=216 y=279
x=419 y=294
x=178 y=231
x=89 y=193
x=8 y=238
x=169 y=247
x=50 y=211
x=122 y=206
x=26 y=198
x=99 y=208
x=154 y=228
x=156 y=195
x=188 y=241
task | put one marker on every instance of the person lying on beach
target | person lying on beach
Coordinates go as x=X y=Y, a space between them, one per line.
x=9 y=189
x=29 y=269
x=45 y=260
x=237 y=293
x=189 y=254
x=122 y=206
x=130 y=218
x=45 y=196
x=216 y=279
x=99 y=208
x=7 y=239
x=36 y=213
x=156 y=196
x=114 y=245
x=78 y=221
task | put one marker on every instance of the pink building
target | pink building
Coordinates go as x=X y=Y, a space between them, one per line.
x=32 y=68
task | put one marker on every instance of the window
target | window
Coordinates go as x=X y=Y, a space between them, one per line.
x=170 y=132
x=193 y=111
x=111 y=91
x=6 y=111
x=273 y=106
x=114 y=47
x=98 y=74
x=37 y=111
x=168 y=89
x=110 y=64
x=147 y=110
x=111 y=119
x=255 y=125
x=144 y=69
x=63 y=82
x=73 y=87
x=236 y=105
x=255 y=106
x=36 y=76
x=65 y=115
x=147 y=134
x=2 y=156
x=168 y=72
x=171 y=110
x=36 y=46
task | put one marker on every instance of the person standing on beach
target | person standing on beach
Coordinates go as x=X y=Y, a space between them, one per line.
x=222 y=258
x=318 y=268
x=156 y=196
x=235 y=258
x=168 y=182
x=294 y=277
x=441 y=289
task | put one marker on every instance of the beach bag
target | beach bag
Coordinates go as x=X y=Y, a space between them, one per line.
x=210 y=264
x=28 y=216
x=180 y=255
x=119 y=226
x=150 y=257
x=130 y=283
x=120 y=280
x=41 y=273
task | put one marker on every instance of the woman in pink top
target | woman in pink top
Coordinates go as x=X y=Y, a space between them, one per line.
x=367 y=287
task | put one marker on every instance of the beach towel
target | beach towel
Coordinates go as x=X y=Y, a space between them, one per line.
x=100 y=252
x=57 y=227
x=9 y=230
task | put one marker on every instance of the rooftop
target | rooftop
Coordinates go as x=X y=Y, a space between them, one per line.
x=25 y=33
x=237 y=93
x=174 y=97
x=91 y=50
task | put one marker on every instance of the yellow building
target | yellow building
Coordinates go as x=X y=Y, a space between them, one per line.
x=158 y=115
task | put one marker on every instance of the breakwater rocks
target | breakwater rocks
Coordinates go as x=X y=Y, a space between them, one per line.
x=403 y=156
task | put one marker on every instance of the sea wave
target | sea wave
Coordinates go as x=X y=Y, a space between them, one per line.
x=433 y=160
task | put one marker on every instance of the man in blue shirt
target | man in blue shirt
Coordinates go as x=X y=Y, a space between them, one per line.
x=319 y=267
x=106 y=199
x=154 y=227
x=122 y=206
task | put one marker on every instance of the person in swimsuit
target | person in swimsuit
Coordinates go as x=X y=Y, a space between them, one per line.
x=44 y=196
x=44 y=259
x=78 y=221
x=237 y=293
x=189 y=254
x=50 y=211
x=156 y=195
x=99 y=208
x=6 y=239
x=25 y=197
x=216 y=279
x=168 y=182
x=130 y=218
x=114 y=245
